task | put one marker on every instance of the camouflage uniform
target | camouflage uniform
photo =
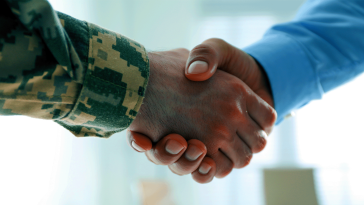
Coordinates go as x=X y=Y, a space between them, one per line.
x=88 y=79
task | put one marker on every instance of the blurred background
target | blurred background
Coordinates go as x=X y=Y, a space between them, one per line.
x=42 y=163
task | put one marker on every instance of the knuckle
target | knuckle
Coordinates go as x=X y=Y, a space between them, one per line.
x=248 y=159
x=185 y=50
x=220 y=129
x=231 y=139
x=225 y=134
x=260 y=144
x=245 y=160
x=240 y=165
x=224 y=172
x=237 y=88
x=272 y=116
x=216 y=40
x=180 y=51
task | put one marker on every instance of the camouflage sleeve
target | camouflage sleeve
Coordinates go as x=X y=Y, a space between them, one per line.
x=52 y=66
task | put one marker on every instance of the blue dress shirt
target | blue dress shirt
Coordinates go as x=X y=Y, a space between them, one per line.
x=322 y=48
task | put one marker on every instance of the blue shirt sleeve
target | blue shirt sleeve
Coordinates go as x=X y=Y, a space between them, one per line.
x=322 y=48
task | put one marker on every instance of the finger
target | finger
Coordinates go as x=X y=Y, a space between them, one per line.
x=168 y=150
x=253 y=136
x=203 y=62
x=206 y=171
x=261 y=112
x=223 y=164
x=191 y=159
x=138 y=142
x=238 y=152
x=215 y=54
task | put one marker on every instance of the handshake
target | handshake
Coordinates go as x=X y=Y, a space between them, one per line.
x=209 y=127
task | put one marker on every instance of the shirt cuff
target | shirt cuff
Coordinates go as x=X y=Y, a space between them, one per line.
x=293 y=79
x=113 y=88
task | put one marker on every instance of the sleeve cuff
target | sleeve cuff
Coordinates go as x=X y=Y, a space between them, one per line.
x=293 y=79
x=113 y=88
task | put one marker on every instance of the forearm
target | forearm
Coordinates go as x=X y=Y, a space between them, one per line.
x=86 y=78
x=318 y=51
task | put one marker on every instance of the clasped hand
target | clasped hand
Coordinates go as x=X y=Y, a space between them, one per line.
x=206 y=128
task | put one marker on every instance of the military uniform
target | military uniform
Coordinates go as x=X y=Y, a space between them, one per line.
x=88 y=79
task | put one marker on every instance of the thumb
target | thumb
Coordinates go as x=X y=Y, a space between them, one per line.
x=138 y=142
x=205 y=58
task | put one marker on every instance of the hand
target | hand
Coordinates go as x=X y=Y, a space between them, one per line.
x=223 y=56
x=186 y=104
x=171 y=151
x=215 y=54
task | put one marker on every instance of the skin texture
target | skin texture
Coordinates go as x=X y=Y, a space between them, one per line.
x=218 y=54
x=177 y=163
x=216 y=112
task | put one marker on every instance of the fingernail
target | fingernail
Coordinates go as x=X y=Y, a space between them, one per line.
x=137 y=147
x=173 y=147
x=193 y=153
x=198 y=67
x=264 y=134
x=204 y=168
